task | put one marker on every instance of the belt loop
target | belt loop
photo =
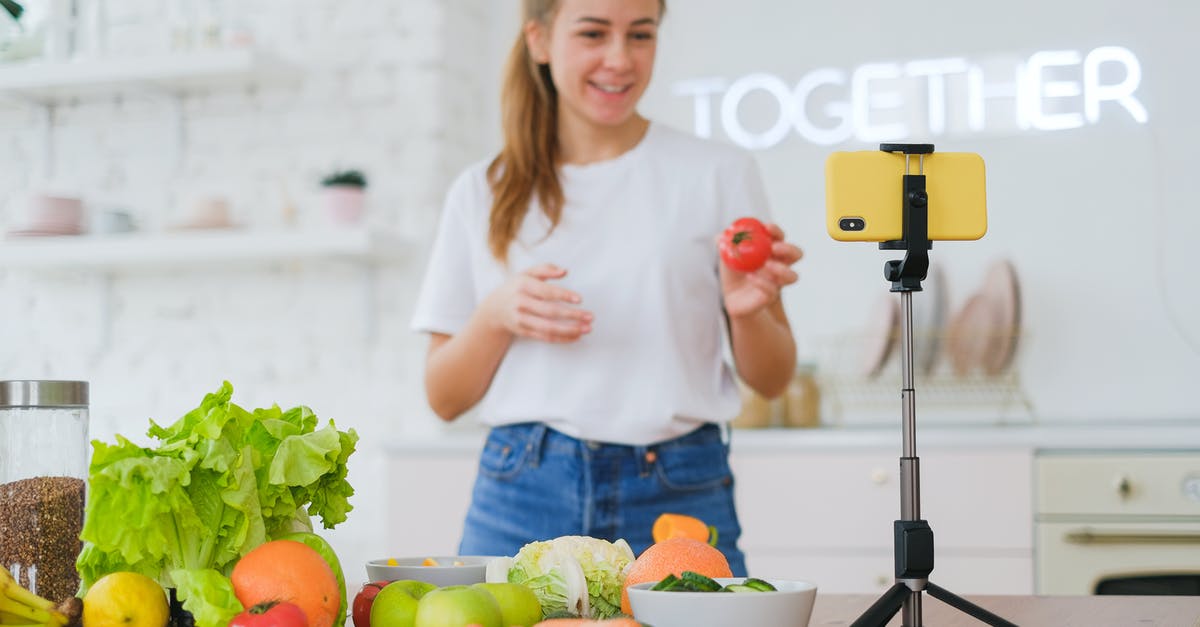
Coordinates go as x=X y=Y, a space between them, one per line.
x=726 y=433
x=646 y=456
x=533 y=447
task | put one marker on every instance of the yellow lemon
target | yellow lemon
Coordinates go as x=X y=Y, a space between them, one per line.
x=125 y=600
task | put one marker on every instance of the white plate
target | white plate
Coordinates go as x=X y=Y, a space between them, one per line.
x=929 y=319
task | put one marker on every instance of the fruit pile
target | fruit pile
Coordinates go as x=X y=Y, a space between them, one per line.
x=410 y=603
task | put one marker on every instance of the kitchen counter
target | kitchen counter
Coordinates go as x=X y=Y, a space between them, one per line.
x=1156 y=435
x=1029 y=611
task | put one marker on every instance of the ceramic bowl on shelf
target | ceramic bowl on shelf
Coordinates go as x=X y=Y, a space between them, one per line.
x=439 y=570
x=789 y=606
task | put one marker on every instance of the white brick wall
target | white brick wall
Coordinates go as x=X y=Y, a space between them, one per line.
x=400 y=89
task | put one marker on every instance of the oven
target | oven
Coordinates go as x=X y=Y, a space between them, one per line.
x=1117 y=522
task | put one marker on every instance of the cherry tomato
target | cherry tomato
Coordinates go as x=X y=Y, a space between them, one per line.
x=271 y=614
x=745 y=245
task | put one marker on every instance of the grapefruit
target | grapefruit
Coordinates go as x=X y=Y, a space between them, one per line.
x=671 y=557
x=287 y=570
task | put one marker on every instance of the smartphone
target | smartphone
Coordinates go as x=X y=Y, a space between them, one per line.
x=863 y=195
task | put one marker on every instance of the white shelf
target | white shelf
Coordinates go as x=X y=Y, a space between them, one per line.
x=174 y=74
x=198 y=248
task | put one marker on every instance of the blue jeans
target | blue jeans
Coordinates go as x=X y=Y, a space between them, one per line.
x=535 y=483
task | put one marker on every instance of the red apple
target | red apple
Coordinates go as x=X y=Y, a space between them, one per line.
x=361 y=610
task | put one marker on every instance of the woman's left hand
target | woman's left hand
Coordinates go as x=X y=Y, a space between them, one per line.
x=746 y=293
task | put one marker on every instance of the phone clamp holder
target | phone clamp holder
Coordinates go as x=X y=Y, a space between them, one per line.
x=912 y=536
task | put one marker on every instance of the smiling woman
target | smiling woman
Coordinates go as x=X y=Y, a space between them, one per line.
x=608 y=414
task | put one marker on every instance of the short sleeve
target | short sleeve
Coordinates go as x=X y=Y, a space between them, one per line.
x=447 y=297
x=742 y=190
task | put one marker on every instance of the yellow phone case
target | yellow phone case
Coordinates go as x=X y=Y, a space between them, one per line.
x=868 y=185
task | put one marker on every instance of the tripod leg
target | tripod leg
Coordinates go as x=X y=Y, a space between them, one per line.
x=965 y=606
x=884 y=608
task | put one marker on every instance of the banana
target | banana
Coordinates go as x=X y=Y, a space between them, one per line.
x=8 y=619
x=13 y=590
x=22 y=607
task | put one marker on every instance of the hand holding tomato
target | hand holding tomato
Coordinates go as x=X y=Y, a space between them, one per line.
x=271 y=614
x=748 y=291
x=745 y=245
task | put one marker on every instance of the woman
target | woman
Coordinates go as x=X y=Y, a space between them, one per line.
x=574 y=293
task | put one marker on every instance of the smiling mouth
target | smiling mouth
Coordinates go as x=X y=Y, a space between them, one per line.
x=611 y=89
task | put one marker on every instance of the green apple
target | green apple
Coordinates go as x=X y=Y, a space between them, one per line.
x=455 y=606
x=396 y=605
x=519 y=606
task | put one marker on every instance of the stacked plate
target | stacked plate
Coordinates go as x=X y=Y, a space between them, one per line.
x=51 y=216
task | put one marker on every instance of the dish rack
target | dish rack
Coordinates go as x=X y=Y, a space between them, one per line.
x=861 y=387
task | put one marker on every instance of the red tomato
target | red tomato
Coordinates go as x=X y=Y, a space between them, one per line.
x=745 y=245
x=271 y=614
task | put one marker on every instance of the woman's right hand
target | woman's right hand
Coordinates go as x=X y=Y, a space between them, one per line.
x=528 y=305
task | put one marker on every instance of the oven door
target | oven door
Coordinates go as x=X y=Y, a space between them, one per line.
x=1118 y=558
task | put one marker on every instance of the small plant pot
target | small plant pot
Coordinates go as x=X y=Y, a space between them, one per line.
x=344 y=204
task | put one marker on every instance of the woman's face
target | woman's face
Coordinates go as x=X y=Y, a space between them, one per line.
x=601 y=56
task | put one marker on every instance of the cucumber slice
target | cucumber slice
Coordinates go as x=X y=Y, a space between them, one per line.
x=668 y=583
x=759 y=584
x=699 y=582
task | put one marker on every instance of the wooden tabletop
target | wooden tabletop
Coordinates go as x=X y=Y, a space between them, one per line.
x=1029 y=611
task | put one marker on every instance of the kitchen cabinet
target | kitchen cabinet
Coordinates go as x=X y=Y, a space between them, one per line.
x=827 y=516
x=823 y=516
x=818 y=504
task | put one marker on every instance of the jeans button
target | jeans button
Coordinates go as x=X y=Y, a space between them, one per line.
x=594 y=445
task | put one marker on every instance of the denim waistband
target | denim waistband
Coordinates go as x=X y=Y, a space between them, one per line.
x=541 y=440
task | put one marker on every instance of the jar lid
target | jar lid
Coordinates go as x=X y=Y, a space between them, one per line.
x=43 y=394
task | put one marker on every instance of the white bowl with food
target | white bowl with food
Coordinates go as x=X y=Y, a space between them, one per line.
x=789 y=605
x=439 y=570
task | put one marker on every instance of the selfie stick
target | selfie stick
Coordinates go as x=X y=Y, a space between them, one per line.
x=913 y=538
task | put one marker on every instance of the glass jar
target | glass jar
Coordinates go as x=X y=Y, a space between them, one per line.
x=757 y=412
x=43 y=471
x=803 y=398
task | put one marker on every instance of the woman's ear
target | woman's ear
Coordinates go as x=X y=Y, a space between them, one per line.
x=536 y=40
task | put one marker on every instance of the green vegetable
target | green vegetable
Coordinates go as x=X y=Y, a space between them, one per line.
x=578 y=574
x=670 y=582
x=209 y=595
x=700 y=583
x=759 y=584
x=220 y=482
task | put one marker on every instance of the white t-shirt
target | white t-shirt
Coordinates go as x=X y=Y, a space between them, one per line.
x=638 y=240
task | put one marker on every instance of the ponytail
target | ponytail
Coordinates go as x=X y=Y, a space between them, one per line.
x=526 y=167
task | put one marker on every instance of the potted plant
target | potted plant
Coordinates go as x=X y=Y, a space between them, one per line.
x=345 y=195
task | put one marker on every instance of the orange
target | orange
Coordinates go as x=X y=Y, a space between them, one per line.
x=681 y=526
x=286 y=570
x=671 y=557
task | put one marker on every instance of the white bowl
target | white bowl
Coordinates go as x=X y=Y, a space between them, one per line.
x=451 y=569
x=790 y=606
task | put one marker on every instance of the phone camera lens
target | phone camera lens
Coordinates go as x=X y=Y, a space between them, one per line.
x=852 y=224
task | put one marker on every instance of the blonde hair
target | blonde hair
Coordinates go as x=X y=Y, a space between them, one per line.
x=527 y=166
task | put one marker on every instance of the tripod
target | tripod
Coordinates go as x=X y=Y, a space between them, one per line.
x=913 y=538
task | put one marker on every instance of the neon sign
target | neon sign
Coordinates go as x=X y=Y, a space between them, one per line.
x=1048 y=91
